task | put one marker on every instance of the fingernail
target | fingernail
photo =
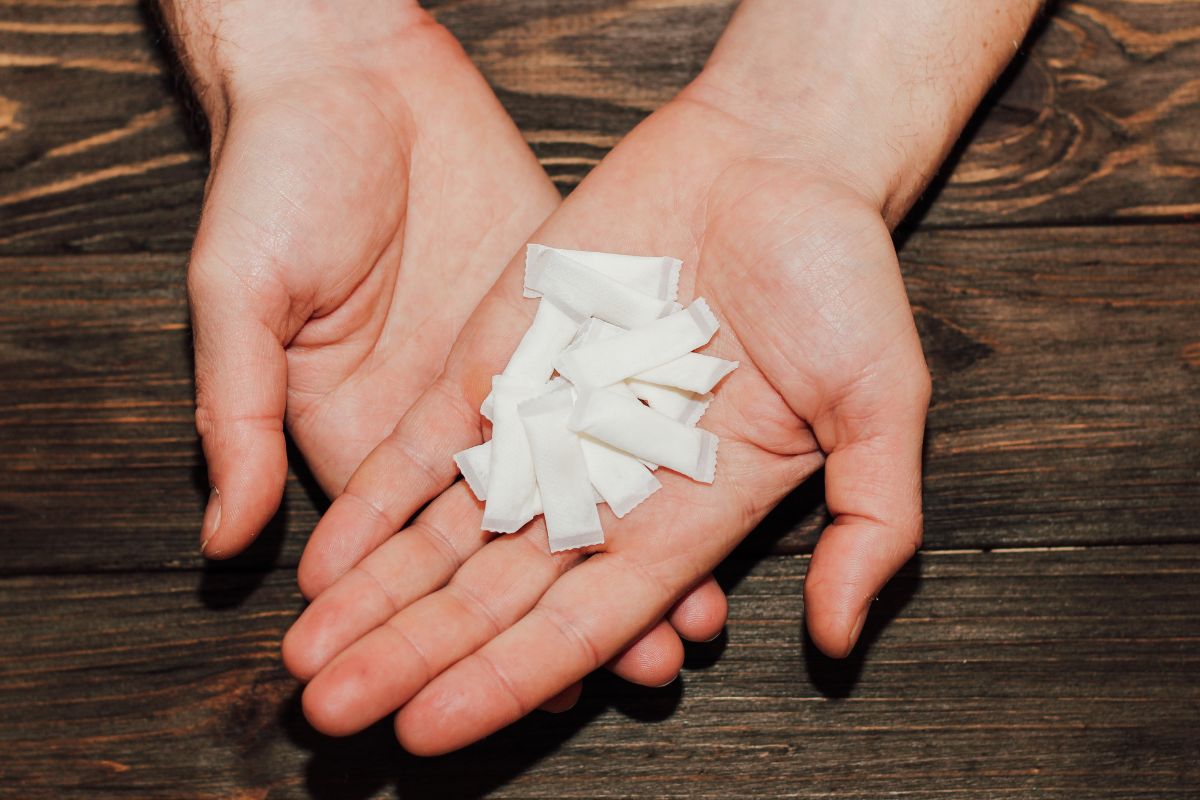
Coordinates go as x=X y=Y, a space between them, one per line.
x=212 y=520
x=674 y=678
x=559 y=709
x=714 y=637
x=857 y=629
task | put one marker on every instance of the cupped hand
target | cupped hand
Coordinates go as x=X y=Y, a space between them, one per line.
x=366 y=190
x=353 y=219
x=792 y=253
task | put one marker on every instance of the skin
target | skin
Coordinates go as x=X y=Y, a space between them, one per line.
x=777 y=177
x=352 y=222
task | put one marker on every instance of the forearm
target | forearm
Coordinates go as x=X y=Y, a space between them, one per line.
x=880 y=89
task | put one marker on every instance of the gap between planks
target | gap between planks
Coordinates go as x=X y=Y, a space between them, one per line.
x=226 y=567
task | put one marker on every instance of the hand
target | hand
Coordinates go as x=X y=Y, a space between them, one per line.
x=333 y=269
x=353 y=220
x=797 y=262
x=777 y=175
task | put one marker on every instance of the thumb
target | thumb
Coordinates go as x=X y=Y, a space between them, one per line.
x=873 y=490
x=239 y=313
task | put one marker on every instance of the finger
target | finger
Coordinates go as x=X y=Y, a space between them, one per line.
x=409 y=468
x=393 y=646
x=598 y=608
x=653 y=660
x=873 y=489
x=564 y=700
x=572 y=631
x=239 y=321
x=385 y=668
x=411 y=564
x=700 y=615
x=415 y=462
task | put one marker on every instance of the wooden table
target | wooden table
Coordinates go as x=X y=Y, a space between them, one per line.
x=1046 y=643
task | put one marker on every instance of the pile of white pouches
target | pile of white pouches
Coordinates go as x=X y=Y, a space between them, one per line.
x=626 y=399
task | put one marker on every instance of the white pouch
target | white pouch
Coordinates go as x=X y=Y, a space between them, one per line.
x=622 y=480
x=511 y=482
x=657 y=276
x=612 y=359
x=562 y=473
x=628 y=425
x=590 y=293
x=593 y=330
x=694 y=372
x=475 y=465
x=678 y=404
x=630 y=481
x=552 y=330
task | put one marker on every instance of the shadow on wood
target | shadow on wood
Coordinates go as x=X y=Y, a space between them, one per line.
x=702 y=655
x=175 y=79
x=361 y=766
x=229 y=583
x=836 y=678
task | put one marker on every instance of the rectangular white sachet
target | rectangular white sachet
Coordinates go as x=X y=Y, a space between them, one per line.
x=626 y=424
x=591 y=293
x=694 y=372
x=622 y=480
x=552 y=330
x=562 y=473
x=511 y=483
x=679 y=404
x=657 y=276
x=595 y=330
x=475 y=465
x=611 y=359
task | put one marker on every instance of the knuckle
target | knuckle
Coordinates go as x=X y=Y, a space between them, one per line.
x=411 y=450
x=505 y=683
x=917 y=531
x=205 y=420
x=454 y=401
x=912 y=532
x=924 y=387
x=569 y=632
x=210 y=423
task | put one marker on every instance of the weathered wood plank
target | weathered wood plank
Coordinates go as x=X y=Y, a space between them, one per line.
x=1101 y=121
x=94 y=152
x=1066 y=408
x=1047 y=674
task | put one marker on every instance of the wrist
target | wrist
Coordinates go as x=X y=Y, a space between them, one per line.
x=875 y=93
x=824 y=132
x=237 y=52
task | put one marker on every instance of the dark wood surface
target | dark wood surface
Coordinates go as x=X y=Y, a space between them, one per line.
x=1032 y=673
x=1046 y=643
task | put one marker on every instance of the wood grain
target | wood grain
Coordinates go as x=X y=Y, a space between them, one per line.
x=94 y=151
x=1066 y=407
x=1098 y=121
x=1066 y=415
x=1047 y=674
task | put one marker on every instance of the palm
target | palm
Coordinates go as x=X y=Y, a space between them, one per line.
x=337 y=186
x=802 y=274
x=335 y=267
